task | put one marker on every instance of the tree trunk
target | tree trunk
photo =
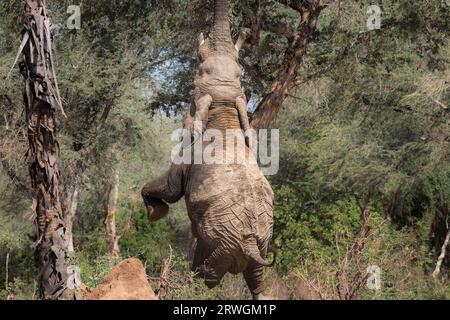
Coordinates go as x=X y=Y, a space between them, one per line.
x=70 y=212
x=441 y=231
x=441 y=257
x=112 y=239
x=8 y=253
x=41 y=95
x=349 y=278
x=269 y=106
x=364 y=230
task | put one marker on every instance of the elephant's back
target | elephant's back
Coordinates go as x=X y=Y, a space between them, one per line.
x=230 y=202
x=241 y=183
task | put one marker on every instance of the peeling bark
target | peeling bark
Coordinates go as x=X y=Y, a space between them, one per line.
x=41 y=96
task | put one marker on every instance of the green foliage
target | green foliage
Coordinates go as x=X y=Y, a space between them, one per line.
x=94 y=269
x=185 y=285
x=148 y=242
x=373 y=121
x=369 y=113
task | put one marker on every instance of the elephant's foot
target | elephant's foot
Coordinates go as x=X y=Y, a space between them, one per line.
x=211 y=282
x=254 y=277
x=156 y=209
x=210 y=275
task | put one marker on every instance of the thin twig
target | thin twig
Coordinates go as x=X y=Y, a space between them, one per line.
x=164 y=277
x=441 y=257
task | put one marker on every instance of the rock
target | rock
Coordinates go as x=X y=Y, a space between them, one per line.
x=126 y=281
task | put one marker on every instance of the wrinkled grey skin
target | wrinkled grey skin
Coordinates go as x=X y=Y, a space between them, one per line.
x=229 y=205
x=217 y=82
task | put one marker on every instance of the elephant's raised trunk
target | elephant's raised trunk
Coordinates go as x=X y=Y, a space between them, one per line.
x=221 y=33
x=251 y=250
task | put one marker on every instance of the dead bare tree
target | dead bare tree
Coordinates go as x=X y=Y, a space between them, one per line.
x=112 y=239
x=41 y=96
x=70 y=210
x=350 y=276
x=441 y=257
x=163 y=282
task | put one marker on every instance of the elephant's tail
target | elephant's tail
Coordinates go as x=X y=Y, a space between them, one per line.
x=251 y=250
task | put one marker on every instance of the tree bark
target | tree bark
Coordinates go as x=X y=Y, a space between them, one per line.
x=364 y=230
x=8 y=253
x=41 y=95
x=112 y=239
x=350 y=280
x=269 y=106
x=69 y=217
x=392 y=203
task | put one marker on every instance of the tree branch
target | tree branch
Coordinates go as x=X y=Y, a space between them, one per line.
x=441 y=257
x=269 y=106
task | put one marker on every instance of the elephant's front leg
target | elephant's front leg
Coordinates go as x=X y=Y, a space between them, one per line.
x=202 y=105
x=165 y=189
x=241 y=106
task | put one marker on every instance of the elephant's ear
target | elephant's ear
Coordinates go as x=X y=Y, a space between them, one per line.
x=192 y=110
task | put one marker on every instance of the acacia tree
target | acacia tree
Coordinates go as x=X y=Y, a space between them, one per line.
x=278 y=35
x=298 y=40
x=41 y=97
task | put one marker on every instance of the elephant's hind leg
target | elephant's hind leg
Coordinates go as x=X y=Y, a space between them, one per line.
x=254 y=277
x=200 y=253
x=215 y=267
x=165 y=189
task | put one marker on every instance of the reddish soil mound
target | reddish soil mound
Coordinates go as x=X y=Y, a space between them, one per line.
x=126 y=281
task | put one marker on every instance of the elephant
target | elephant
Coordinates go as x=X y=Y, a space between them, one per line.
x=230 y=205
